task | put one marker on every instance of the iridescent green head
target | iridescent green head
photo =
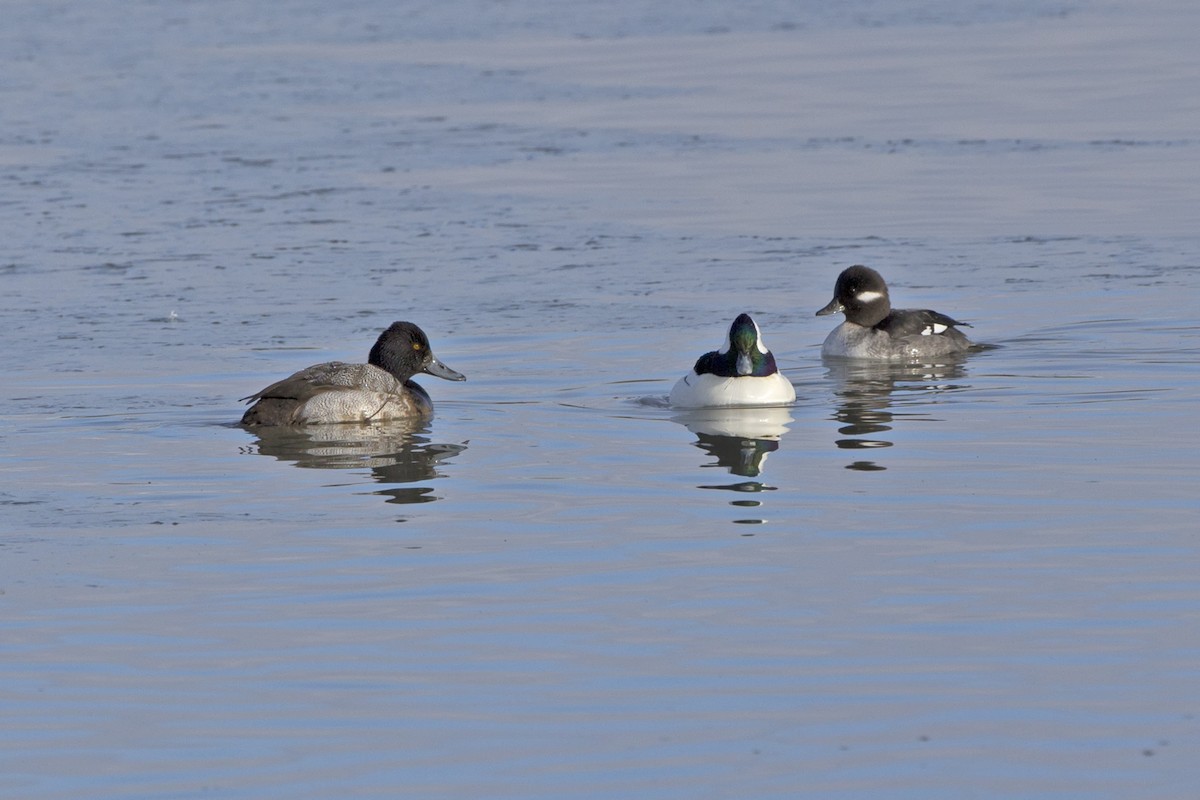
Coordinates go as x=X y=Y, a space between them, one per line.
x=743 y=355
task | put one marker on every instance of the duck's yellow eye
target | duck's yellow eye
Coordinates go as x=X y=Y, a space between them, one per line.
x=416 y=345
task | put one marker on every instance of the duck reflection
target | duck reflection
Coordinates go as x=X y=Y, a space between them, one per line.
x=740 y=439
x=397 y=453
x=865 y=392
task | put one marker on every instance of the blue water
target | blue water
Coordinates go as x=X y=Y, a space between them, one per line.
x=974 y=579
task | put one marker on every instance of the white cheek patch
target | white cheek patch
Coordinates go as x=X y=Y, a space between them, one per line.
x=934 y=329
x=868 y=296
x=725 y=347
x=758 y=341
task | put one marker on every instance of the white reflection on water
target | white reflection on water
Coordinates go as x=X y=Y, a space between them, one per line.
x=740 y=439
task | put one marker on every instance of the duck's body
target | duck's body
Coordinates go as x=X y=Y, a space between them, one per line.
x=377 y=391
x=874 y=330
x=904 y=333
x=337 y=392
x=715 y=391
x=741 y=373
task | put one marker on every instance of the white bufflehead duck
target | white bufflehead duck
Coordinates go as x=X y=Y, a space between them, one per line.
x=377 y=391
x=741 y=373
x=873 y=329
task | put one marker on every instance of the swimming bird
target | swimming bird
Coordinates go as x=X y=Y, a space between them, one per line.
x=875 y=330
x=741 y=373
x=379 y=390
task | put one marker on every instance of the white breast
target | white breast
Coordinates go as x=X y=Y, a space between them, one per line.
x=362 y=405
x=712 y=391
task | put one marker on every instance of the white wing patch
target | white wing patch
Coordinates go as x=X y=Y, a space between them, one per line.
x=934 y=329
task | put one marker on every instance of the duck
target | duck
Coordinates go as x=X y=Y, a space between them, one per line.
x=741 y=373
x=378 y=391
x=874 y=330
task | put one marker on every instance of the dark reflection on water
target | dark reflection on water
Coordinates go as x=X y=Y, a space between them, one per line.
x=868 y=392
x=740 y=439
x=740 y=456
x=397 y=453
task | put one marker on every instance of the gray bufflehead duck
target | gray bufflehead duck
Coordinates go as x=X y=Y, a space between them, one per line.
x=875 y=330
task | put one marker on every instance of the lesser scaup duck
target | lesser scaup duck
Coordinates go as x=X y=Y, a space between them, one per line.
x=376 y=391
x=873 y=329
x=741 y=373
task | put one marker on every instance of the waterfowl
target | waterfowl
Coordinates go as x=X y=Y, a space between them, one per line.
x=741 y=373
x=377 y=391
x=875 y=330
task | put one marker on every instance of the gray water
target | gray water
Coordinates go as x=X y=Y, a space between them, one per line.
x=974 y=579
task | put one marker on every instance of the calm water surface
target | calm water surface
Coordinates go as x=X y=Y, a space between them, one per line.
x=970 y=579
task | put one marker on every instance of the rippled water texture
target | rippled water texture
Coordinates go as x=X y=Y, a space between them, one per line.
x=967 y=579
